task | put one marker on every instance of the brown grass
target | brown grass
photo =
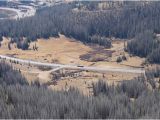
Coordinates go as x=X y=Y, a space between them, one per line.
x=68 y=51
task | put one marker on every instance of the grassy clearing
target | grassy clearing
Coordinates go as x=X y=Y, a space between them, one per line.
x=68 y=51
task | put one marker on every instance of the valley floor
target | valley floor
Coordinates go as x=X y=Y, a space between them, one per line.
x=64 y=50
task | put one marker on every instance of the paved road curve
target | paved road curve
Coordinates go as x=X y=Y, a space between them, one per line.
x=30 y=12
x=97 y=69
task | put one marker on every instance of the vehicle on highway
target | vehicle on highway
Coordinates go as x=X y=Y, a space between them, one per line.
x=80 y=66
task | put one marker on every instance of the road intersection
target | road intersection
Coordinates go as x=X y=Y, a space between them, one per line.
x=86 y=68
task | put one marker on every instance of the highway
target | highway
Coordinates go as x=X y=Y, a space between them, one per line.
x=30 y=12
x=87 y=68
x=18 y=13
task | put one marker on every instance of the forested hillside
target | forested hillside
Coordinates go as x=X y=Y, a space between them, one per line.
x=132 y=99
x=127 y=21
x=123 y=23
x=145 y=44
x=89 y=23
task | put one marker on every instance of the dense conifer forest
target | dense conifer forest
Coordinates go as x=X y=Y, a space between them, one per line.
x=130 y=99
x=137 y=98
x=145 y=44
x=90 y=26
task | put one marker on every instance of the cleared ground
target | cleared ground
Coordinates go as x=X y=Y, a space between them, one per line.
x=59 y=50
x=73 y=78
x=69 y=51
x=85 y=79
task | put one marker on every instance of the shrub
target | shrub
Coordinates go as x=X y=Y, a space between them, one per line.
x=119 y=59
